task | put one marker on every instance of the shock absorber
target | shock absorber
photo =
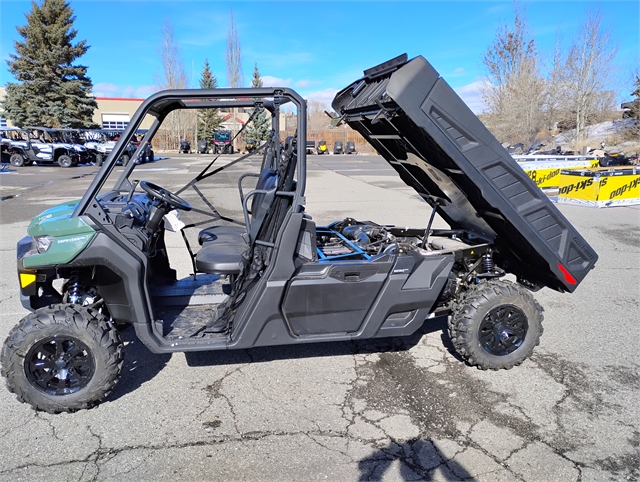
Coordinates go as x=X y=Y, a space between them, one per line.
x=488 y=265
x=73 y=287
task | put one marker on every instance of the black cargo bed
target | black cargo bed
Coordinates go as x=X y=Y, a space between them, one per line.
x=438 y=146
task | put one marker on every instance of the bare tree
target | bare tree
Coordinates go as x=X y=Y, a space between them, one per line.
x=173 y=76
x=514 y=93
x=555 y=90
x=317 y=119
x=589 y=71
x=235 y=77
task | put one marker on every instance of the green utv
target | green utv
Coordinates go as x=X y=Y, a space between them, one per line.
x=275 y=278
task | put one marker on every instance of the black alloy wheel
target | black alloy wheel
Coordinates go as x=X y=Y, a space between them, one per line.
x=496 y=325
x=503 y=330
x=62 y=358
x=59 y=365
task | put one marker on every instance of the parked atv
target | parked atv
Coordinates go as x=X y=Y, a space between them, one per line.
x=7 y=134
x=251 y=145
x=322 y=147
x=223 y=144
x=338 y=147
x=203 y=148
x=42 y=145
x=101 y=142
x=311 y=147
x=350 y=148
x=185 y=147
x=275 y=278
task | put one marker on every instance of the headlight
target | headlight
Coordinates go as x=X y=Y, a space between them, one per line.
x=43 y=243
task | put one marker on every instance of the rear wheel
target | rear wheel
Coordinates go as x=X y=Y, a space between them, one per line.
x=151 y=157
x=65 y=161
x=125 y=159
x=497 y=325
x=99 y=159
x=62 y=358
x=16 y=160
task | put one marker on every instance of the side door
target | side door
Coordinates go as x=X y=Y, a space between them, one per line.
x=333 y=297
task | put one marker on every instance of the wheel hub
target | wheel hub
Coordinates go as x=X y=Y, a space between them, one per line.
x=503 y=330
x=59 y=365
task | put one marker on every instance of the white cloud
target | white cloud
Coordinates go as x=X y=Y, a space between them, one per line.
x=307 y=83
x=472 y=95
x=103 y=89
x=459 y=70
x=270 y=81
x=325 y=96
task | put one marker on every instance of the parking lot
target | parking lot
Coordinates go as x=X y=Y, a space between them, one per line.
x=393 y=409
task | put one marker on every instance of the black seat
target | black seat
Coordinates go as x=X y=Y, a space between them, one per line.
x=219 y=233
x=222 y=246
x=220 y=258
x=266 y=180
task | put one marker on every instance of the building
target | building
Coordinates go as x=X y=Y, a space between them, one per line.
x=116 y=112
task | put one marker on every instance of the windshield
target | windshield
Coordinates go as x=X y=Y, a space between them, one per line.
x=222 y=136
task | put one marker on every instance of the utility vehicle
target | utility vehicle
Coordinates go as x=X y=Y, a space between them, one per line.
x=7 y=134
x=275 y=278
x=44 y=146
x=222 y=142
x=322 y=147
x=311 y=147
x=350 y=148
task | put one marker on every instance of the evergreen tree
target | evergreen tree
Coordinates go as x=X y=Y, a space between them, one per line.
x=209 y=120
x=51 y=90
x=260 y=125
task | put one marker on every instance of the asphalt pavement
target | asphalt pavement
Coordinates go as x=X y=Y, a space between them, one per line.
x=395 y=409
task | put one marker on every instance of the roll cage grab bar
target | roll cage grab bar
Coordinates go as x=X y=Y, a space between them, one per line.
x=162 y=103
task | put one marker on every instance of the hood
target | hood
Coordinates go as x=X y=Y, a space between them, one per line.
x=415 y=120
x=57 y=221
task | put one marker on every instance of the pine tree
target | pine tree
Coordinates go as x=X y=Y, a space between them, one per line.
x=51 y=90
x=260 y=126
x=209 y=120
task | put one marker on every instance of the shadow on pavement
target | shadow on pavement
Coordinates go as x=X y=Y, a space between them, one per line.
x=140 y=365
x=417 y=459
x=313 y=350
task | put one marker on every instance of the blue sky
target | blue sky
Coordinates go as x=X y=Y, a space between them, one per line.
x=316 y=48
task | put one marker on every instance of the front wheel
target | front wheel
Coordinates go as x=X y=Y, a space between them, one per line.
x=65 y=161
x=497 y=325
x=150 y=157
x=99 y=159
x=16 y=160
x=125 y=159
x=62 y=358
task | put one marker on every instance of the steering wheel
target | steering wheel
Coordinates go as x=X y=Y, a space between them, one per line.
x=163 y=195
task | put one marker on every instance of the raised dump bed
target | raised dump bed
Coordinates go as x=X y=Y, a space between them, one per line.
x=439 y=147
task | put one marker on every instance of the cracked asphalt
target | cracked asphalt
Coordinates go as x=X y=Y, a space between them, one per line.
x=395 y=409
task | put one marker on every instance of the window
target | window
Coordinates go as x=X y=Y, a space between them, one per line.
x=115 y=121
